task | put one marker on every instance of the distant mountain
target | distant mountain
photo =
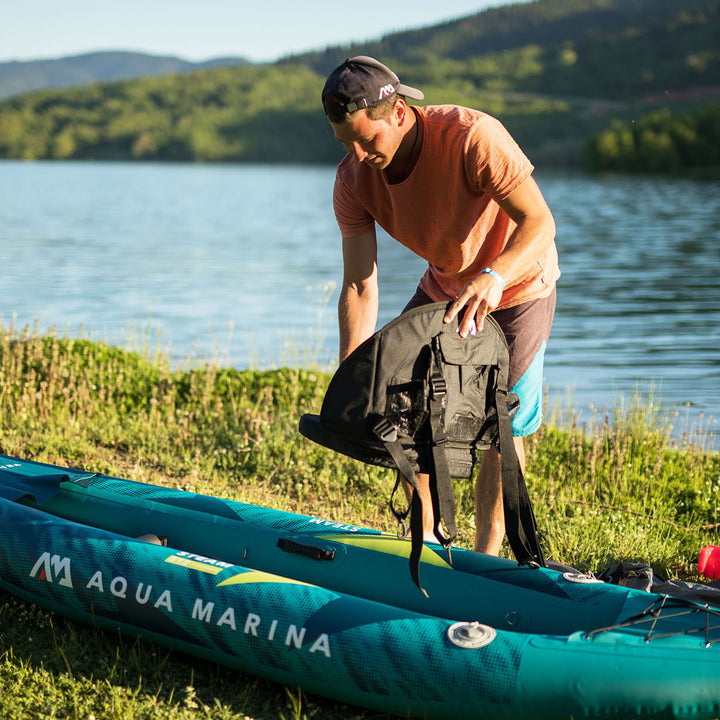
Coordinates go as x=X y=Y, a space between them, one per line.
x=18 y=77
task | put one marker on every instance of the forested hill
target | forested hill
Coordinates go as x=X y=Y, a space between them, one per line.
x=17 y=77
x=556 y=72
x=611 y=49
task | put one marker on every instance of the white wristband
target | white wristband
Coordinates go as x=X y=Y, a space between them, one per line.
x=492 y=273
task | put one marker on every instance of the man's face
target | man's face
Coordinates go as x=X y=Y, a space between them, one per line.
x=373 y=142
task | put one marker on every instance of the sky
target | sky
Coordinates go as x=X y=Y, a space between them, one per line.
x=259 y=30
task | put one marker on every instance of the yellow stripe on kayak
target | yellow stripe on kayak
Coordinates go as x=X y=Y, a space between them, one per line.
x=193 y=564
x=258 y=576
x=389 y=545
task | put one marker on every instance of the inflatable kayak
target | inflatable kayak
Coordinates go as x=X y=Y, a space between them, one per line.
x=331 y=608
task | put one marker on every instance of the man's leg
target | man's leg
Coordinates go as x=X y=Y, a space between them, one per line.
x=526 y=328
x=489 y=511
x=423 y=481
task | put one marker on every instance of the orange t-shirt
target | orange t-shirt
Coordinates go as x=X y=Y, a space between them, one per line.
x=446 y=209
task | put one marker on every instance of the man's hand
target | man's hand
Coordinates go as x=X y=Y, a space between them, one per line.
x=479 y=298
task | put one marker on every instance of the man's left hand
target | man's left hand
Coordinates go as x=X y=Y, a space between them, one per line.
x=479 y=298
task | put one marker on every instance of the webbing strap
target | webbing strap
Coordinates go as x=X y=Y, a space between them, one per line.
x=441 y=486
x=388 y=435
x=520 y=526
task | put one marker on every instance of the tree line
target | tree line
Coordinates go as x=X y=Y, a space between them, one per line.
x=659 y=142
x=570 y=81
x=252 y=114
x=246 y=114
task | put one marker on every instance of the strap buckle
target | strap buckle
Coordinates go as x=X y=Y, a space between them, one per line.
x=438 y=387
x=385 y=430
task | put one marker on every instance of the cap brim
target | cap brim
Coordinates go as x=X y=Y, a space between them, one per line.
x=410 y=92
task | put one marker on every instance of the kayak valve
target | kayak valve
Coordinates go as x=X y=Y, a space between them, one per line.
x=471 y=634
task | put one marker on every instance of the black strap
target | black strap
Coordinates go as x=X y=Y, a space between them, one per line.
x=388 y=435
x=441 y=487
x=520 y=526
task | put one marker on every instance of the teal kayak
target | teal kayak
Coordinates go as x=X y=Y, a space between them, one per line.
x=331 y=607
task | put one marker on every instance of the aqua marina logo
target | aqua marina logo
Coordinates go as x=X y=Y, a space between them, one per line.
x=386 y=91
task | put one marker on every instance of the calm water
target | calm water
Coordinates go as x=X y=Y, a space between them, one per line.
x=240 y=264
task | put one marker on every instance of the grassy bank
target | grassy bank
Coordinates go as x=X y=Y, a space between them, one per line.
x=602 y=492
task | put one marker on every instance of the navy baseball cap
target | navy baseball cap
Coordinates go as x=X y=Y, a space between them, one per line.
x=361 y=82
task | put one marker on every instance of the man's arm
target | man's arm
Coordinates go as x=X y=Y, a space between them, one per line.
x=358 y=304
x=533 y=235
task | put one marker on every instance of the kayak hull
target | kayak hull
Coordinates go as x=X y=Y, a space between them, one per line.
x=351 y=648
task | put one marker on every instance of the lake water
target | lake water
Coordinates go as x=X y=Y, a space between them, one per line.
x=240 y=265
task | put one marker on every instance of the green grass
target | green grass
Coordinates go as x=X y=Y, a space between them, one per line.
x=602 y=492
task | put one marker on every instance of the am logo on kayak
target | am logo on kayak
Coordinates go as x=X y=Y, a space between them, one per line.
x=53 y=568
x=57 y=569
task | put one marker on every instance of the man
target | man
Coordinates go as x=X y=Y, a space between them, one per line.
x=453 y=186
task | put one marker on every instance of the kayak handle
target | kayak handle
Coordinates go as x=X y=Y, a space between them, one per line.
x=309 y=551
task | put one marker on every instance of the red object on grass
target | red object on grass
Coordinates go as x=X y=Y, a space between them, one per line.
x=709 y=562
